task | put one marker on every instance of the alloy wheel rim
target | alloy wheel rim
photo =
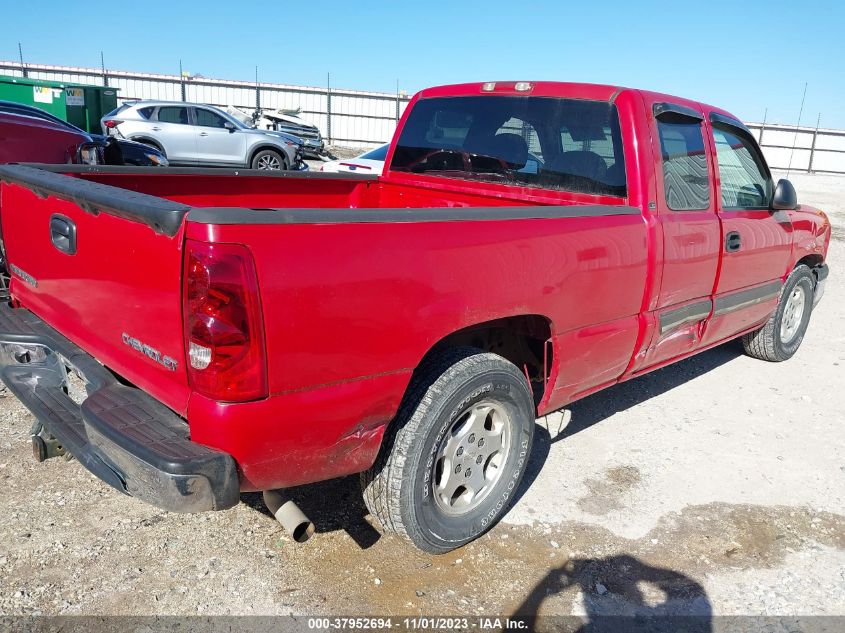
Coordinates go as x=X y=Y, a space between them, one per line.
x=268 y=162
x=793 y=314
x=471 y=458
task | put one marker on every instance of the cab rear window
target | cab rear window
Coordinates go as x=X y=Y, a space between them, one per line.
x=543 y=142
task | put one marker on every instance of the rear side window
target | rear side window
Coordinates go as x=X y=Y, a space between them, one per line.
x=146 y=112
x=379 y=153
x=173 y=114
x=539 y=142
x=118 y=110
x=743 y=175
x=686 y=179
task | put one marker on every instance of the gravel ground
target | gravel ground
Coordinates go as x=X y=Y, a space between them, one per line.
x=715 y=486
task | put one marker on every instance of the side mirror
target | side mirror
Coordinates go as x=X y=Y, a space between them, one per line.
x=229 y=126
x=785 y=197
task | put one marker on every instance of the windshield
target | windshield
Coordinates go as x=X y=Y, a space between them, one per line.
x=550 y=143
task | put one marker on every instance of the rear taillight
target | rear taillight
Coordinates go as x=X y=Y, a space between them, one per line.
x=89 y=155
x=111 y=123
x=224 y=330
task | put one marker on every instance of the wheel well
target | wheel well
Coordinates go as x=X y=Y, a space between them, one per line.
x=148 y=141
x=811 y=261
x=273 y=148
x=524 y=340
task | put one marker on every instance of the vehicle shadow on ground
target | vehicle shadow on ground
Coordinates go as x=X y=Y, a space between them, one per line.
x=337 y=504
x=602 y=405
x=621 y=594
x=331 y=505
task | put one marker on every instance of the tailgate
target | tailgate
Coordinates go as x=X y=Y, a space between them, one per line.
x=103 y=266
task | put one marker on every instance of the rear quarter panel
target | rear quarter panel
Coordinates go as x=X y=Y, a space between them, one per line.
x=349 y=301
x=351 y=309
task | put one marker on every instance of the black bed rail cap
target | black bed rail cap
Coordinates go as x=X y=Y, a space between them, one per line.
x=163 y=216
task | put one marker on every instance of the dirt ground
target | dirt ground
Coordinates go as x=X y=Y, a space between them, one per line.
x=715 y=486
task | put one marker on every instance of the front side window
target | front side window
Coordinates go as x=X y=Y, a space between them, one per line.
x=686 y=179
x=207 y=118
x=541 y=142
x=743 y=175
x=173 y=114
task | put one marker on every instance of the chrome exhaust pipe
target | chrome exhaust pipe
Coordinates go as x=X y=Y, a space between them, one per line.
x=289 y=515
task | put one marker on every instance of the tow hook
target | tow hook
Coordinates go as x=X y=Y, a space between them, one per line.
x=289 y=515
x=45 y=446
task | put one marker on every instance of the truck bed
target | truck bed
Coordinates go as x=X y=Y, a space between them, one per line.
x=347 y=268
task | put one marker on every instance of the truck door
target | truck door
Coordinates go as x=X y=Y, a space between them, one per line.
x=756 y=241
x=691 y=236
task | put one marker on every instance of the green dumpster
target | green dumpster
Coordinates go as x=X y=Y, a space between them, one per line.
x=47 y=95
x=78 y=104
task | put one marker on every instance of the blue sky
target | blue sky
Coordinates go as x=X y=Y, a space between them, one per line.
x=743 y=56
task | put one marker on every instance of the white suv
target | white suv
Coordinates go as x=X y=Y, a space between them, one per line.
x=201 y=135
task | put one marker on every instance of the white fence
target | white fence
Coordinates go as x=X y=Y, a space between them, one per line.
x=356 y=118
x=345 y=117
x=801 y=148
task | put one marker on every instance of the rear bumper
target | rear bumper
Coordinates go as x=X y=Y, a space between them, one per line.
x=125 y=437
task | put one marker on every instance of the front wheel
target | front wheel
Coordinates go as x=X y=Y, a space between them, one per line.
x=267 y=159
x=781 y=337
x=454 y=457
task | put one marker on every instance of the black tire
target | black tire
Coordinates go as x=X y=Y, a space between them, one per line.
x=268 y=155
x=399 y=488
x=767 y=343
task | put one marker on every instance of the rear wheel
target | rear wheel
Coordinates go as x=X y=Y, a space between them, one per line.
x=781 y=337
x=268 y=159
x=456 y=453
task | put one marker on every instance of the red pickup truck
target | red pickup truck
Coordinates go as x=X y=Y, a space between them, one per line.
x=190 y=334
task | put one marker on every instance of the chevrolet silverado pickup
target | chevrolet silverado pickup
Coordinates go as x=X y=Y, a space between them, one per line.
x=188 y=335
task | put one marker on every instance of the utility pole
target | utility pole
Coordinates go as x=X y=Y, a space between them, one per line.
x=103 y=68
x=23 y=66
x=182 y=81
x=257 y=95
x=329 y=107
x=813 y=144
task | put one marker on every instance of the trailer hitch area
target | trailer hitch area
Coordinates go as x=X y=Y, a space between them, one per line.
x=13 y=353
x=45 y=446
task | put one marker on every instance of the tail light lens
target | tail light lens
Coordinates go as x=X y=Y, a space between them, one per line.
x=224 y=329
x=111 y=123
x=89 y=155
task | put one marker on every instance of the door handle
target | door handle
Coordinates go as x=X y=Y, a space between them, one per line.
x=733 y=242
x=203 y=133
x=156 y=129
x=63 y=234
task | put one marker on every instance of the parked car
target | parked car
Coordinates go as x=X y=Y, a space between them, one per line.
x=289 y=121
x=370 y=162
x=113 y=150
x=282 y=329
x=30 y=139
x=200 y=135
